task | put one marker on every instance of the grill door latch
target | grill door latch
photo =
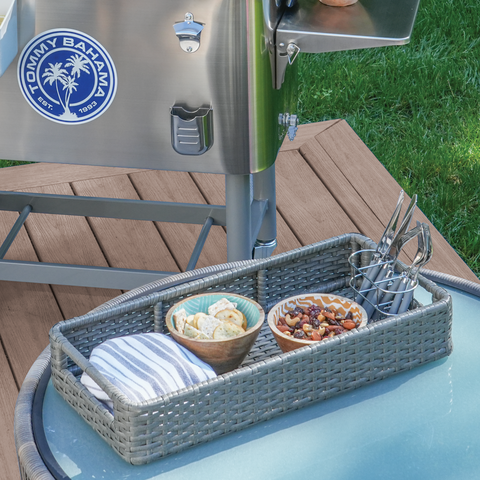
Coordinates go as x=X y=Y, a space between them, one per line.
x=188 y=33
x=286 y=55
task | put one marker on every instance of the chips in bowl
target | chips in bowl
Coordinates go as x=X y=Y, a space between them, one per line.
x=222 y=321
x=220 y=329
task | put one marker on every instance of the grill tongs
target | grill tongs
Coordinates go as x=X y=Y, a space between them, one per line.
x=382 y=261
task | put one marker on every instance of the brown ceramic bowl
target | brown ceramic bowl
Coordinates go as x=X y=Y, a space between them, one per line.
x=341 y=304
x=222 y=355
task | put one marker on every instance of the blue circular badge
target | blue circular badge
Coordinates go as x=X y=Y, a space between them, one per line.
x=67 y=76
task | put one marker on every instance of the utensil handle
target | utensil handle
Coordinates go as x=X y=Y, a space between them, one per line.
x=388 y=297
x=367 y=282
x=406 y=300
x=398 y=297
x=374 y=295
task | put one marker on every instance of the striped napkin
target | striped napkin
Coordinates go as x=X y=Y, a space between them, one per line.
x=145 y=366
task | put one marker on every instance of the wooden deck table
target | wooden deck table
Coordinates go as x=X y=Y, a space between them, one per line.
x=328 y=183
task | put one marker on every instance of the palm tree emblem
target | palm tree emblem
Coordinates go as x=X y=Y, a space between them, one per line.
x=79 y=64
x=54 y=73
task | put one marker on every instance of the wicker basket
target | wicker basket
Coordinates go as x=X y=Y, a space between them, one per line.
x=269 y=382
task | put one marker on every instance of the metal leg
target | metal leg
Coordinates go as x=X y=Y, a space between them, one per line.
x=202 y=238
x=238 y=207
x=15 y=229
x=264 y=189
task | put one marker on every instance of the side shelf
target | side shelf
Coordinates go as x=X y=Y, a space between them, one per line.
x=8 y=33
x=312 y=27
x=316 y=28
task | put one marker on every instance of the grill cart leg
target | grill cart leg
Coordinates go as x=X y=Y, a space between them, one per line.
x=251 y=215
x=264 y=189
x=239 y=217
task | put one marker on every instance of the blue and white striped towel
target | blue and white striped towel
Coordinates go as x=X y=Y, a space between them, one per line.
x=145 y=366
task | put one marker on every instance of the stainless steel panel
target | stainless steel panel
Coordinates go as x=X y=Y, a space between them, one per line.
x=231 y=73
x=317 y=28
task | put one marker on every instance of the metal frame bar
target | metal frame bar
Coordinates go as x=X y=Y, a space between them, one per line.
x=259 y=209
x=113 y=208
x=264 y=189
x=249 y=212
x=77 y=275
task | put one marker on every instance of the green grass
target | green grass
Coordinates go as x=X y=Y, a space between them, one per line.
x=11 y=163
x=417 y=107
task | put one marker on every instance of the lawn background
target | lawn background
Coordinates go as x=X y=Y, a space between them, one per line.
x=417 y=108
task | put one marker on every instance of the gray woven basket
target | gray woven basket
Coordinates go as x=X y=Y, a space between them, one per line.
x=269 y=382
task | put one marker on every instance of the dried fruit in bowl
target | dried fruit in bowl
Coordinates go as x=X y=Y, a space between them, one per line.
x=315 y=323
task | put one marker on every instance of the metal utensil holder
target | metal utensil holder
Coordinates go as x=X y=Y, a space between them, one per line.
x=382 y=287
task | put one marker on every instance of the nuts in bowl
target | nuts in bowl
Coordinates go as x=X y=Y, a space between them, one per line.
x=220 y=329
x=305 y=319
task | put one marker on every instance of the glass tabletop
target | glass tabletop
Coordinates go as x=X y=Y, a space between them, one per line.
x=418 y=424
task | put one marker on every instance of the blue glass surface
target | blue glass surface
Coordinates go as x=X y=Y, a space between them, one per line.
x=420 y=424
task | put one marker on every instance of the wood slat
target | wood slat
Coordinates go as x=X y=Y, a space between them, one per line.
x=348 y=188
x=379 y=190
x=44 y=174
x=305 y=133
x=132 y=244
x=68 y=240
x=367 y=175
x=28 y=310
x=181 y=238
x=341 y=189
x=8 y=397
x=305 y=203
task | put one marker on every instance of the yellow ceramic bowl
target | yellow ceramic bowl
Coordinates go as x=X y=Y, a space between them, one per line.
x=222 y=355
x=340 y=304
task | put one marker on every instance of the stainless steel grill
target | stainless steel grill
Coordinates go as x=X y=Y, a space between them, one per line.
x=198 y=86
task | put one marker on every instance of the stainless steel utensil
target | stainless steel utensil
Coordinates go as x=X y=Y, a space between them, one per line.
x=423 y=255
x=376 y=296
x=390 y=239
x=386 y=274
x=408 y=296
x=407 y=218
x=382 y=247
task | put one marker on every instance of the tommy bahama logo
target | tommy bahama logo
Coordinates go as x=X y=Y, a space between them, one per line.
x=67 y=76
